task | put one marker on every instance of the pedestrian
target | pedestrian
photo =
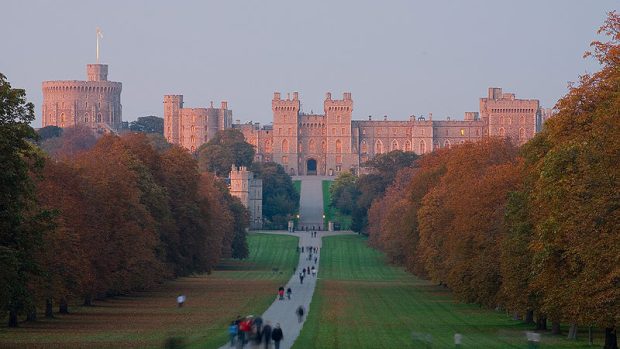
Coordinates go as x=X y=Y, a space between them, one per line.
x=301 y=278
x=304 y=271
x=277 y=336
x=288 y=293
x=308 y=270
x=302 y=249
x=316 y=259
x=313 y=271
x=281 y=292
x=245 y=327
x=300 y=313
x=267 y=334
x=232 y=332
x=180 y=300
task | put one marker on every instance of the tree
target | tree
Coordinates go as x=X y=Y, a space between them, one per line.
x=227 y=148
x=71 y=142
x=280 y=199
x=343 y=192
x=48 y=132
x=575 y=195
x=21 y=220
x=148 y=124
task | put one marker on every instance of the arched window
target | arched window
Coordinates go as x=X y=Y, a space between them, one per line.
x=407 y=145
x=192 y=139
x=447 y=144
x=521 y=133
x=86 y=118
x=285 y=146
x=193 y=129
x=98 y=117
x=509 y=120
x=394 y=145
x=378 y=147
x=312 y=146
x=502 y=132
x=422 y=147
x=364 y=147
x=338 y=146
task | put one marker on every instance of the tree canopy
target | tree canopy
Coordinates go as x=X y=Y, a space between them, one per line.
x=148 y=124
x=227 y=148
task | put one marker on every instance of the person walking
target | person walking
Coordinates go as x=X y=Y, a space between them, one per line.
x=316 y=259
x=232 y=332
x=180 y=300
x=288 y=293
x=281 y=293
x=313 y=271
x=300 y=313
x=267 y=334
x=301 y=278
x=277 y=336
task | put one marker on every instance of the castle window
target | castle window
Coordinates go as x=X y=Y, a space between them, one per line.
x=378 y=147
x=509 y=120
x=502 y=132
x=98 y=117
x=285 y=159
x=279 y=131
x=462 y=132
x=522 y=119
x=342 y=131
x=363 y=131
x=447 y=144
x=422 y=147
x=394 y=145
x=364 y=147
x=285 y=146
x=338 y=146
x=521 y=133
x=407 y=146
x=333 y=131
x=323 y=146
x=268 y=148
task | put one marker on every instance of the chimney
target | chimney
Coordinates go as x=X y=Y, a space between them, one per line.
x=211 y=104
x=276 y=96
x=224 y=105
x=430 y=116
x=369 y=117
x=384 y=117
x=328 y=96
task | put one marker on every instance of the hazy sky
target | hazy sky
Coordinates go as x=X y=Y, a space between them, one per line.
x=398 y=58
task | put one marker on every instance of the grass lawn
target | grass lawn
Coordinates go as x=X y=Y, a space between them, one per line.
x=146 y=319
x=332 y=214
x=360 y=302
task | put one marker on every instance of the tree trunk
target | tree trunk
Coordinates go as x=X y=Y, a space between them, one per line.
x=88 y=300
x=32 y=315
x=49 y=311
x=12 y=318
x=529 y=317
x=541 y=322
x=572 y=332
x=555 y=327
x=63 y=307
x=590 y=336
x=611 y=338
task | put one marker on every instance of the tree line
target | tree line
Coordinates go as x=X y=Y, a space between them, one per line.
x=92 y=218
x=535 y=230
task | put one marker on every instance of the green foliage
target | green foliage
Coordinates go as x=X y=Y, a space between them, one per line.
x=280 y=198
x=148 y=124
x=22 y=222
x=332 y=214
x=227 y=148
x=48 y=132
x=343 y=192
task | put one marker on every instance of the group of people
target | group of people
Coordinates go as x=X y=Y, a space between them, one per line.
x=281 y=293
x=252 y=330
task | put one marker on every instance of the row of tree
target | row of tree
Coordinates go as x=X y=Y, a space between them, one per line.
x=102 y=217
x=534 y=230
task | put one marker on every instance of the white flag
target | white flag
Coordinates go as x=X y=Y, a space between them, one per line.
x=99 y=33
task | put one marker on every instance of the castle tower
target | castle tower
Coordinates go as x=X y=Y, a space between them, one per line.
x=286 y=131
x=507 y=116
x=95 y=103
x=172 y=114
x=249 y=190
x=338 y=124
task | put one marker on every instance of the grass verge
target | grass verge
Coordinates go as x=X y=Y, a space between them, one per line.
x=146 y=319
x=360 y=302
x=331 y=213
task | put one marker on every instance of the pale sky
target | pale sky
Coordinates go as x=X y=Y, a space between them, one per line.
x=398 y=58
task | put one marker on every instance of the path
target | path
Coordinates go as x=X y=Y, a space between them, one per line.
x=311 y=201
x=284 y=311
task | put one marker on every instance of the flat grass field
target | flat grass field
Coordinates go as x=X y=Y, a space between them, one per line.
x=360 y=302
x=331 y=214
x=146 y=319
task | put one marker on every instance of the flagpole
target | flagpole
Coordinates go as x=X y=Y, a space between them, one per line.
x=97 y=45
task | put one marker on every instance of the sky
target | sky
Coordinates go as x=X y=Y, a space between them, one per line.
x=397 y=58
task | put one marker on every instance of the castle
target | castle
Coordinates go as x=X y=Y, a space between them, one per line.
x=249 y=189
x=329 y=143
x=95 y=103
x=191 y=127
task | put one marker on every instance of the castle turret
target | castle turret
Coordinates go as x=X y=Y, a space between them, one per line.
x=97 y=72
